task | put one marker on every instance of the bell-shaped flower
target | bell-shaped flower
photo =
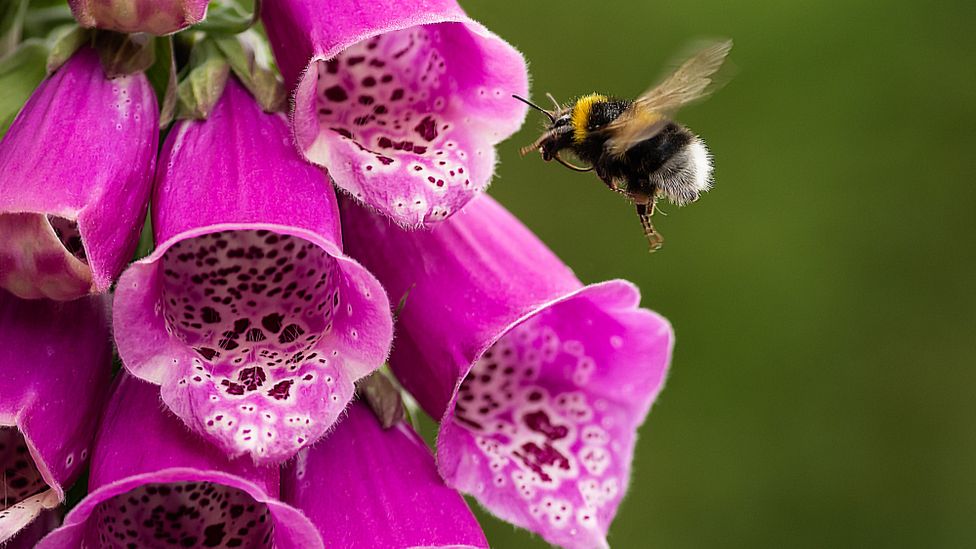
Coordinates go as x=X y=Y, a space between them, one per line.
x=55 y=367
x=365 y=486
x=152 y=16
x=402 y=102
x=540 y=382
x=75 y=174
x=28 y=536
x=247 y=313
x=155 y=484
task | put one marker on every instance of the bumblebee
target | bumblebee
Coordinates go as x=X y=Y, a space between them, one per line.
x=634 y=146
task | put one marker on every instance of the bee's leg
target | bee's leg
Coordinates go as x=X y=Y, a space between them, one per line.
x=654 y=238
x=612 y=185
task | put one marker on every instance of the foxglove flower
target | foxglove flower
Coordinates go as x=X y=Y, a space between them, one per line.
x=402 y=102
x=247 y=313
x=75 y=173
x=55 y=364
x=366 y=487
x=27 y=537
x=153 y=483
x=540 y=382
x=152 y=16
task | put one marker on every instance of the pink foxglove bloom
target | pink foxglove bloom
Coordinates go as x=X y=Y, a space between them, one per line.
x=55 y=365
x=152 y=16
x=366 y=487
x=540 y=382
x=27 y=537
x=154 y=484
x=248 y=314
x=75 y=174
x=403 y=102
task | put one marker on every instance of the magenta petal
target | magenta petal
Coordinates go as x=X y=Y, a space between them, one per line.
x=152 y=16
x=75 y=173
x=541 y=382
x=152 y=481
x=55 y=364
x=402 y=102
x=247 y=313
x=366 y=487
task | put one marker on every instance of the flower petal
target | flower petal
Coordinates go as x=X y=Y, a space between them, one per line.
x=402 y=104
x=174 y=488
x=541 y=382
x=55 y=364
x=153 y=16
x=77 y=168
x=369 y=487
x=248 y=313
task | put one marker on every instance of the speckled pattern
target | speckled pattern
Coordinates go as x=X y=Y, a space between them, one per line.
x=180 y=514
x=257 y=307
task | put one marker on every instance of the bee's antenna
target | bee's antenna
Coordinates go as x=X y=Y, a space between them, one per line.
x=552 y=117
x=554 y=102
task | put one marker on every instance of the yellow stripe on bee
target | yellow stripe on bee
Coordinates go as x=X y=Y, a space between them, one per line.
x=581 y=114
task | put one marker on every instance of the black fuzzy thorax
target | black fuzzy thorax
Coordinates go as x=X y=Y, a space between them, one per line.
x=642 y=160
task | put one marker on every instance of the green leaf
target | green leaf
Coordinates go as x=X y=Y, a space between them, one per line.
x=229 y=18
x=42 y=20
x=146 y=245
x=20 y=73
x=11 y=24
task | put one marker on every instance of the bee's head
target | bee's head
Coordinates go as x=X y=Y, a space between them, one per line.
x=558 y=134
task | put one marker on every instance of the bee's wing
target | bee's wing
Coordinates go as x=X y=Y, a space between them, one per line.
x=649 y=113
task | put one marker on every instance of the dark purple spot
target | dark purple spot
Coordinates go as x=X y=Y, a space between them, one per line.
x=213 y=535
x=281 y=390
x=207 y=353
x=539 y=422
x=272 y=322
x=209 y=315
x=336 y=94
x=252 y=378
x=290 y=333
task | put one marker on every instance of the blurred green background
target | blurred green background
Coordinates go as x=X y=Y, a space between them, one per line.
x=822 y=388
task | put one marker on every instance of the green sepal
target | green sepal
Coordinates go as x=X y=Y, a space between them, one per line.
x=20 y=73
x=203 y=85
x=162 y=76
x=123 y=54
x=263 y=82
x=65 y=45
x=383 y=398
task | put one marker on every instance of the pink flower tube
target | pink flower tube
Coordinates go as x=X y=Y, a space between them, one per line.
x=540 y=382
x=155 y=484
x=248 y=314
x=366 y=487
x=75 y=174
x=403 y=102
x=55 y=365
x=152 y=16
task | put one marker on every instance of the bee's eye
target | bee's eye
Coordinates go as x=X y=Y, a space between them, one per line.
x=561 y=121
